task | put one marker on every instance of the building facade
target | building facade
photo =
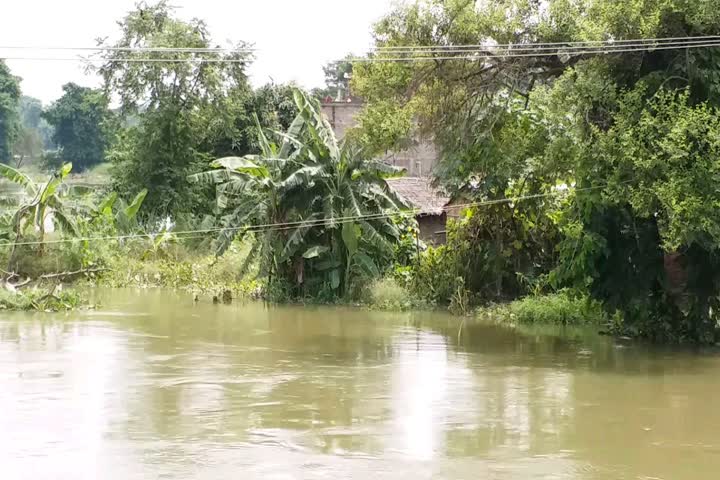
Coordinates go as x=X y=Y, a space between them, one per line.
x=418 y=160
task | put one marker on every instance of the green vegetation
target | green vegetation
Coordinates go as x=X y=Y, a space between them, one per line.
x=9 y=119
x=629 y=137
x=556 y=309
x=322 y=207
x=593 y=177
x=41 y=300
x=82 y=125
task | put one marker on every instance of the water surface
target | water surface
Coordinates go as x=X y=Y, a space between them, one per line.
x=153 y=386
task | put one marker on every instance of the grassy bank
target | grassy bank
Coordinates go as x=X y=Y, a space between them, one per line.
x=560 y=309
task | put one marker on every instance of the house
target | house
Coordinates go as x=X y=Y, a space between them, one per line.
x=418 y=159
x=429 y=204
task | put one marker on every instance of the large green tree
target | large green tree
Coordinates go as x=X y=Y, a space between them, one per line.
x=180 y=99
x=83 y=125
x=235 y=133
x=337 y=80
x=633 y=131
x=9 y=121
x=32 y=121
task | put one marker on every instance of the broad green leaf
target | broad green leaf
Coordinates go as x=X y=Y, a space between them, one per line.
x=350 y=236
x=132 y=209
x=367 y=264
x=105 y=207
x=65 y=222
x=327 y=264
x=49 y=189
x=242 y=165
x=19 y=178
x=335 y=279
x=314 y=252
x=296 y=238
x=65 y=170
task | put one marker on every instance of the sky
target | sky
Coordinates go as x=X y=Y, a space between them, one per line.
x=294 y=38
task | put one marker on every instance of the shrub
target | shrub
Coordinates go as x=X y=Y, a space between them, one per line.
x=387 y=293
x=553 y=309
x=39 y=299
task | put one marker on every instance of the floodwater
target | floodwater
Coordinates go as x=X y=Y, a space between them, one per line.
x=151 y=386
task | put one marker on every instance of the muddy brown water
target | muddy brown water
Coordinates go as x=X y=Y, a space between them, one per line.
x=154 y=386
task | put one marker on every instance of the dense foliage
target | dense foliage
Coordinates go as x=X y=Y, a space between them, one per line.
x=308 y=199
x=634 y=133
x=9 y=121
x=82 y=124
x=593 y=175
x=178 y=103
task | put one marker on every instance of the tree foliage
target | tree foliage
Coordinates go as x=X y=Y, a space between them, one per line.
x=631 y=138
x=307 y=198
x=179 y=103
x=337 y=80
x=83 y=125
x=9 y=121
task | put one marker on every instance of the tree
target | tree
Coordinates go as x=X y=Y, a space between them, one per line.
x=633 y=132
x=9 y=122
x=179 y=104
x=31 y=119
x=28 y=145
x=337 y=80
x=236 y=133
x=82 y=125
x=330 y=205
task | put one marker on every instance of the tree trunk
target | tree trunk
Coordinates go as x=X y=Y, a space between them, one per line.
x=676 y=273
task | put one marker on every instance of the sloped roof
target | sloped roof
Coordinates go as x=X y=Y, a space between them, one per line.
x=420 y=194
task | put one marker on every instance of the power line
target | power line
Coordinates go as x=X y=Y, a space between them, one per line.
x=282 y=226
x=478 y=46
x=217 y=50
x=589 y=43
x=130 y=60
x=528 y=55
x=426 y=56
x=520 y=48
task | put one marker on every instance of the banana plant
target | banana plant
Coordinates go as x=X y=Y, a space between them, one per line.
x=117 y=213
x=44 y=201
x=319 y=208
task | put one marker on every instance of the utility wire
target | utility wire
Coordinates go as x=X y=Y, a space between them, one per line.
x=528 y=55
x=480 y=55
x=305 y=223
x=523 y=48
x=478 y=46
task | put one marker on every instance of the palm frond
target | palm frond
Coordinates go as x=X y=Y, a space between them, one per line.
x=18 y=178
x=305 y=176
x=242 y=165
x=65 y=222
x=372 y=237
x=132 y=209
x=296 y=238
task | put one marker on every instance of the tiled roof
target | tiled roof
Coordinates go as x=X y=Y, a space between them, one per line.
x=420 y=194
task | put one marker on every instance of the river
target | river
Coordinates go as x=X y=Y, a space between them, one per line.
x=152 y=386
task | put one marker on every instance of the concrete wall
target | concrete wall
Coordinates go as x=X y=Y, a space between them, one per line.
x=418 y=160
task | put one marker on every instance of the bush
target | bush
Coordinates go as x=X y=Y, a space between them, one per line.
x=176 y=267
x=387 y=293
x=39 y=299
x=434 y=276
x=553 y=309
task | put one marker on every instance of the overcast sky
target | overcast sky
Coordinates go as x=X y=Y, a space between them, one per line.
x=295 y=37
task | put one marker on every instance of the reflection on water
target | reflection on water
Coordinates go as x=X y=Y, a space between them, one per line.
x=153 y=386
